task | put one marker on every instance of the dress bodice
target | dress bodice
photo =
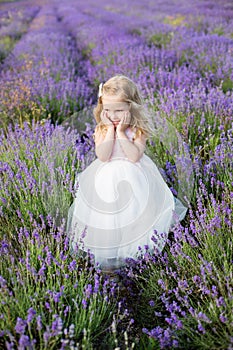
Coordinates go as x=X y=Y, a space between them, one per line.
x=117 y=151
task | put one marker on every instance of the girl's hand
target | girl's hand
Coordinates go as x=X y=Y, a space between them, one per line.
x=105 y=119
x=124 y=123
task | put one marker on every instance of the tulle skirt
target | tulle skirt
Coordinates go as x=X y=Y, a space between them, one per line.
x=121 y=207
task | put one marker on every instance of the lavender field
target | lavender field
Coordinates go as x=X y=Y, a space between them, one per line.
x=53 y=56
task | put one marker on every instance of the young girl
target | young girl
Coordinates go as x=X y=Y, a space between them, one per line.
x=122 y=202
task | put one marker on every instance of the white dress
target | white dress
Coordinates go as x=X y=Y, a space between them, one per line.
x=119 y=206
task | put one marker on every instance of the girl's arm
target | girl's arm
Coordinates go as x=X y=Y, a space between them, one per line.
x=104 y=143
x=133 y=150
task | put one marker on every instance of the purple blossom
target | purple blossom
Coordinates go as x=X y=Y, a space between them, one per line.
x=201 y=329
x=20 y=325
x=39 y=323
x=202 y=317
x=220 y=302
x=24 y=342
x=152 y=303
x=97 y=283
x=31 y=315
x=84 y=303
x=73 y=265
x=88 y=291
x=57 y=326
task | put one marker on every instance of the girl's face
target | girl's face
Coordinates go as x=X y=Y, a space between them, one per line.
x=115 y=108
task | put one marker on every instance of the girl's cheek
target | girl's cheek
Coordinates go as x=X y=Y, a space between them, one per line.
x=120 y=115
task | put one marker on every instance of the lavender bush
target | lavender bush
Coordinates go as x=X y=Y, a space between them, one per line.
x=13 y=24
x=46 y=291
x=40 y=77
x=180 y=53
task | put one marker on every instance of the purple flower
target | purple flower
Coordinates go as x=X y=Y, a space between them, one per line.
x=88 y=291
x=20 y=325
x=39 y=323
x=162 y=284
x=24 y=342
x=48 y=306
x=201 y=328
x=201 y=316
x=31 y=315
x=222 y=318
x=67 y=310
x=84 y=304
x=57 y=326
x=151 y=303
x=73 y=265
x=97 y=283
x=220 y=301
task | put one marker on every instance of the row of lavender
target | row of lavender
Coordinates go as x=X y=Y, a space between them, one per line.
x=181 y=57
x=13 y=24
x=40 y=77
x=177 y=71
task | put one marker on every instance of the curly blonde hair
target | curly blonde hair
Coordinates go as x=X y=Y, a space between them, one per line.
x=127 y=91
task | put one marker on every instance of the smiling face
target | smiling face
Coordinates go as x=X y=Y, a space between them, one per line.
x=115 y=108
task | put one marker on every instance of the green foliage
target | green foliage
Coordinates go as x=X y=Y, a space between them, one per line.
x=160 y=39
x=86 y=52
x=175 y=21
x=135 y=31
x=227 y=85
x=29 y=112
x=218 y=30
x=6 y=45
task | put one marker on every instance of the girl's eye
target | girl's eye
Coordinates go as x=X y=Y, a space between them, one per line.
x=106 y=110
x=119 y=110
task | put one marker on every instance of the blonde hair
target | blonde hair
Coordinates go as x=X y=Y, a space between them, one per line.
x=127 y=90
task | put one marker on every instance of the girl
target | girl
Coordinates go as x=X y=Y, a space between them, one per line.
x=122 y=202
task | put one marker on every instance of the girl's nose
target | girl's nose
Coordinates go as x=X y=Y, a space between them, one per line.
x=112 y=114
